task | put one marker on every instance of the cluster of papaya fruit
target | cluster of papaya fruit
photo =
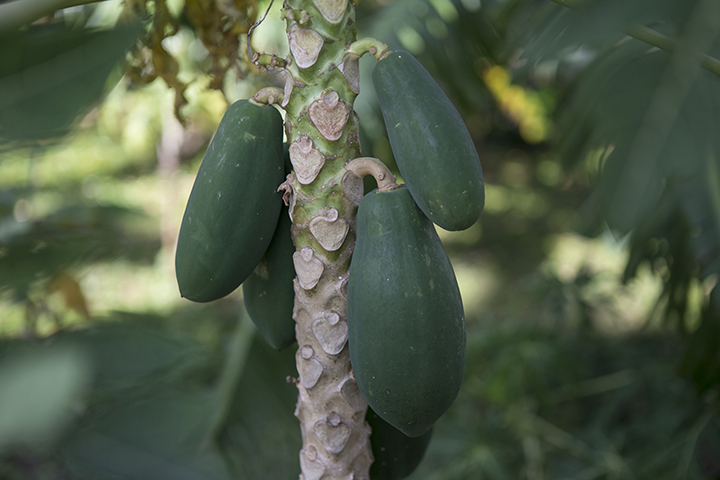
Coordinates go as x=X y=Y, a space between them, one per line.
x=405 y=315
x=235 y=229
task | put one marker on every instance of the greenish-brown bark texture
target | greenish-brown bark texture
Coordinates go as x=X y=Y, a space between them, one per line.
x=321 y=83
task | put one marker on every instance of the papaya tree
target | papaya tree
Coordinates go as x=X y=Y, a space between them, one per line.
x=361 y=282
x=284 y=222
x=393 y=291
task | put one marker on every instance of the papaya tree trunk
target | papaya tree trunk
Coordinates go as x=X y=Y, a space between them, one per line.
x=321 y=83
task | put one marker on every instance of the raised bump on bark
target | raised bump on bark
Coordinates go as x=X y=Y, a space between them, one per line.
x=311 y=465
x=350 y=68
x=310 y=369
x=332 y=432
x=308 y=267
x=332 y=10
x=329 y=115
x=353 y=187
x=329 y=230
x=351 y=393
x=307 y=161
x=305 y=45
x=331 y=333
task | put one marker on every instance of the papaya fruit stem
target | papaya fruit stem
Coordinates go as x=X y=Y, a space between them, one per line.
x=362 y=166
x=369 y=45
x=268 y=96
x=268 y=60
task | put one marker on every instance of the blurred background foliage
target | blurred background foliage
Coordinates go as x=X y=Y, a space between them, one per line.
x=589 y=283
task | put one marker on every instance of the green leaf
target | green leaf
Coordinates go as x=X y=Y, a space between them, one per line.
x=551 y=31
x=50 y=75
x=158 y=411
x=650 y=111
x=38 y=390
x=35 y=250
x=131 y=358
x=160 y=438
x=261 y=438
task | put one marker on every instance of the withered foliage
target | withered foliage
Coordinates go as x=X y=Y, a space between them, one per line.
x=219 y=24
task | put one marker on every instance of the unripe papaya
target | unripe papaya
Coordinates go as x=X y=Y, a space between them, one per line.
x=268 y=291
x=405 y=316
x=396 y=454
x=234 y=204
x=430 y=142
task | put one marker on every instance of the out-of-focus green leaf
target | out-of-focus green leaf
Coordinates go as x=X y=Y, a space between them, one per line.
x=568 y=406
x=652 y=109
x=649 y=119
x=152 y=409
x=148 y=412
x=132 y=359
x=33 y=250
x=630 y=186
x=261 y=438
x=38 y=390
x=548 y=31
x=50 y=75
x=160 y=438
x=230 y=376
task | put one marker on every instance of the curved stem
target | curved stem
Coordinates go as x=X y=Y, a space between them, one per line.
x=657 y=39
x=268 y=60
x=268 y=96
x=654 y=38
x=369 y=45
x=362 y=166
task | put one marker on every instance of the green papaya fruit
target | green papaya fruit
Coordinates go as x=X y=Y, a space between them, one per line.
x=396 y=454
x=234 y=205
x=268 y=291
x=431 y=144
x=405 y=315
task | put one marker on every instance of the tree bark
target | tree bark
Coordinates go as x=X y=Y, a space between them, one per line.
x=321 y=83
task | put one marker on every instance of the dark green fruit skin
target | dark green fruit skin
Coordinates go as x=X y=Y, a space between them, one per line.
x=405 y=315
x=431 y=145
x=396 y=454
x=268 y=291
x=234 y=204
